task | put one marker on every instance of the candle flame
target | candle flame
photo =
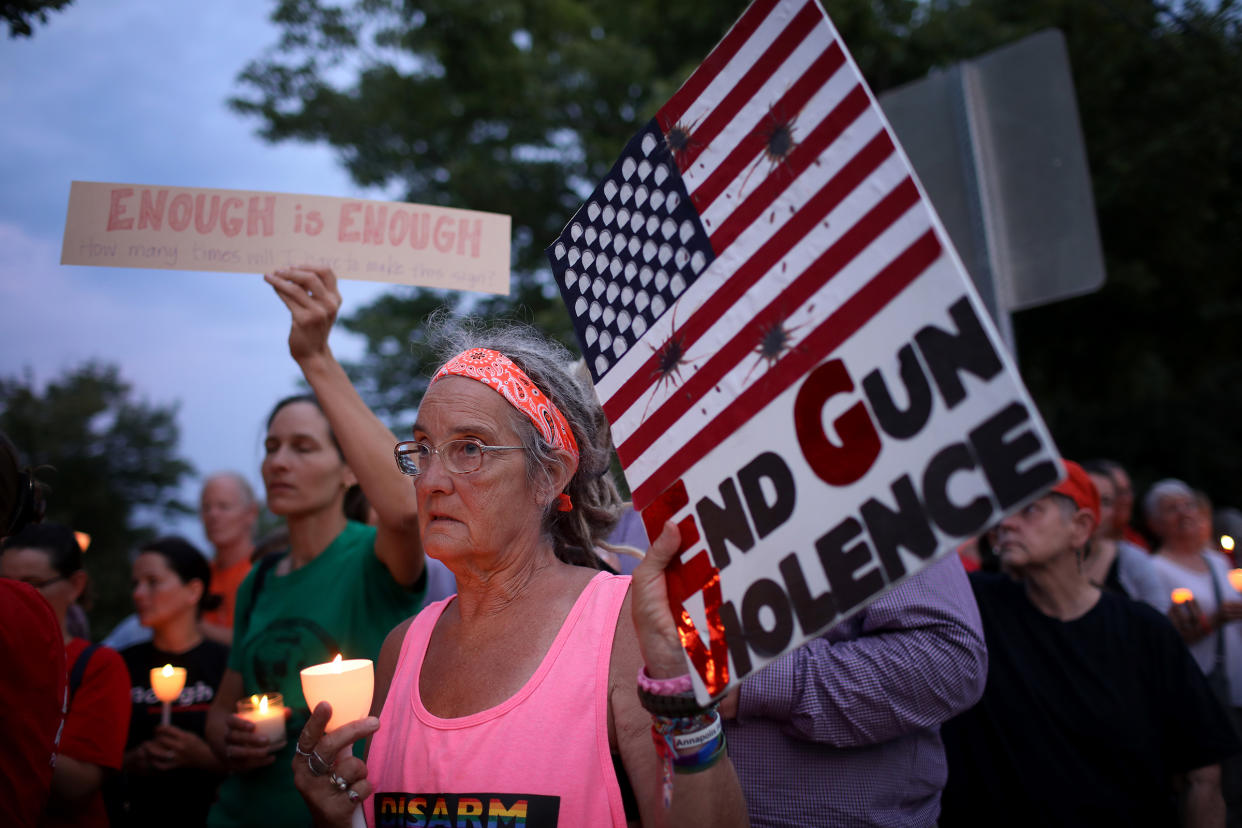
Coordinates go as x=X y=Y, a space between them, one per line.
x=263 y=705
x=1181 y=595
x=1226 y=543
x=255 y=700
x=167 y=671
x=336 y=663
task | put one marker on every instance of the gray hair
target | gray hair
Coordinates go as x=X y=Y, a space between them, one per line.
x=243 y=485
x=596 y=501
x=1163 y=488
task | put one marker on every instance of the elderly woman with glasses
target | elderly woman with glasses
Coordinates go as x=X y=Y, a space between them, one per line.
x=546 y=689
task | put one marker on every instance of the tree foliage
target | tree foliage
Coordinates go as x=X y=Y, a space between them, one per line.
x=113 y=464
x=520 y=106
x=21 y=14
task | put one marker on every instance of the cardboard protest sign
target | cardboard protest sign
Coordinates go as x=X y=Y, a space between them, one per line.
x=240 y=231
x=795 y=366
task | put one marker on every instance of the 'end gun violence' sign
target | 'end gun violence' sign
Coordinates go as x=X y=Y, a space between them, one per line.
x=796 y=369
x=241 y=231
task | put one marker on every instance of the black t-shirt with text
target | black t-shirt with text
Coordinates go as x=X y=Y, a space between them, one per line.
x=183 y=795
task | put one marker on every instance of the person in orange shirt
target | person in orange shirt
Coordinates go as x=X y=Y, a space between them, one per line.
x=229 y=511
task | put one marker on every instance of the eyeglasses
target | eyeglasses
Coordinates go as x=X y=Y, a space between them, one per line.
x=458 y=456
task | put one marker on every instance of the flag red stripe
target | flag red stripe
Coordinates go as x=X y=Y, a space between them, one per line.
x=779 y=178
x=724 y=52
x=828 y=265
x=747 y=86
x=828 y=336
x=784 y=111
x=751 y=271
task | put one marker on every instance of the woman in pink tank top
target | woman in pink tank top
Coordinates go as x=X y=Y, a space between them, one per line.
x=515 y=702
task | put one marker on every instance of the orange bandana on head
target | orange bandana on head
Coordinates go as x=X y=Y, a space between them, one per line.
x=497 y=372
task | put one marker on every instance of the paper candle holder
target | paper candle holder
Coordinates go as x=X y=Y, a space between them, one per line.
x=167 y=682
x=346 y=685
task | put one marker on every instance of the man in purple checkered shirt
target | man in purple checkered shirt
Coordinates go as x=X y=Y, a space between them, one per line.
x=845 y=730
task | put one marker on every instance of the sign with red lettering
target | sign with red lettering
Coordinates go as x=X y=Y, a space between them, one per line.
x=796 y=369
x=239 y=231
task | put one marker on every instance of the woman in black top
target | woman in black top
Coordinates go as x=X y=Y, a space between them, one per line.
x=170 y=774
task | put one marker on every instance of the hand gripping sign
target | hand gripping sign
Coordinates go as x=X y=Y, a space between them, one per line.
x=795 y=366
x=240 y=231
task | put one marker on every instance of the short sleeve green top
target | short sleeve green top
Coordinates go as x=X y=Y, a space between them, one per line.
x=344 y=601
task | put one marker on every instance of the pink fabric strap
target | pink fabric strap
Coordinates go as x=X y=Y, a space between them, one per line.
x=498 y=372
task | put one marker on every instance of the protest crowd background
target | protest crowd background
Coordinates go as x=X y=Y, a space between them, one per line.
x=1111 y=608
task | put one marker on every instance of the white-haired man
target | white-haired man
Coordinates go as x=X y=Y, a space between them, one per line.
x=1093 y=706
x=229 y=511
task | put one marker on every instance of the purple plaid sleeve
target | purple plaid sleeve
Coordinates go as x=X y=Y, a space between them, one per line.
x=848 y=724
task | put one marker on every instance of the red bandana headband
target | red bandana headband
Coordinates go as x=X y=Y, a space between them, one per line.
x=497 y=372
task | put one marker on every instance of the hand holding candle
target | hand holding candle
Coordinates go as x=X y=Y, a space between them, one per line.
x=267 y=712
x=167 y=682
x=346 y=685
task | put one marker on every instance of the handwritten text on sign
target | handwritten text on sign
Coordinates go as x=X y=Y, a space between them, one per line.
x=239 y=231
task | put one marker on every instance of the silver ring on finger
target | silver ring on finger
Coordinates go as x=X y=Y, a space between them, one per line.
x=297 y=748
x=316 y=760
x=353 y=795
x=340 y=783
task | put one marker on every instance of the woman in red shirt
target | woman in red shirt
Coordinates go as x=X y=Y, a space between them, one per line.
x=47 y=557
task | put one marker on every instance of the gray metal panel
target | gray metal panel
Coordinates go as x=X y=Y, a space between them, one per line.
x=928 y=117
x=997 y=145
x=1040 y=187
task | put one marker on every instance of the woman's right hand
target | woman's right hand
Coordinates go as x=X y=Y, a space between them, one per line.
x=244 y=749
x=330 y=778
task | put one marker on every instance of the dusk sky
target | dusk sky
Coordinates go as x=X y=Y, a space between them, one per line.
x=135 y=91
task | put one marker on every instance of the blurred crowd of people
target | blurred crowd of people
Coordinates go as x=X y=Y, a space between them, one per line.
x=1088 y=671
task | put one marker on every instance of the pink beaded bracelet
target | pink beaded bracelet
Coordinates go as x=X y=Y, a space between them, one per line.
x=664 y=687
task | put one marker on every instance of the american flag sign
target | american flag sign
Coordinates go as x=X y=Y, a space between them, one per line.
x=764 y=221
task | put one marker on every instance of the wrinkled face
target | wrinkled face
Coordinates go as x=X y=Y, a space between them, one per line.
x=1123 y=503
x=228 y=517
x=160 y=596
x=302 y=471
x=485 y=513
x=1176 y=519
x=34 y=567
x=1108 y=505
x=1039 y=534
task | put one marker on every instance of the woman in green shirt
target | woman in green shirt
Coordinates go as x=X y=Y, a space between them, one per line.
x=340 y=586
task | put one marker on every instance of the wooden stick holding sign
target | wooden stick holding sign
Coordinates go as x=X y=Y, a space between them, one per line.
x=794 y=365
x=241 y=231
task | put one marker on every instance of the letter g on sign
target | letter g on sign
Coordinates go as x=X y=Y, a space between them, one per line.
x=836 y=465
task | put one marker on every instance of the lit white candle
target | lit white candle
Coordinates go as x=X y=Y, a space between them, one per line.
x=167 y=682
x=347 y=685
x=268 y=714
